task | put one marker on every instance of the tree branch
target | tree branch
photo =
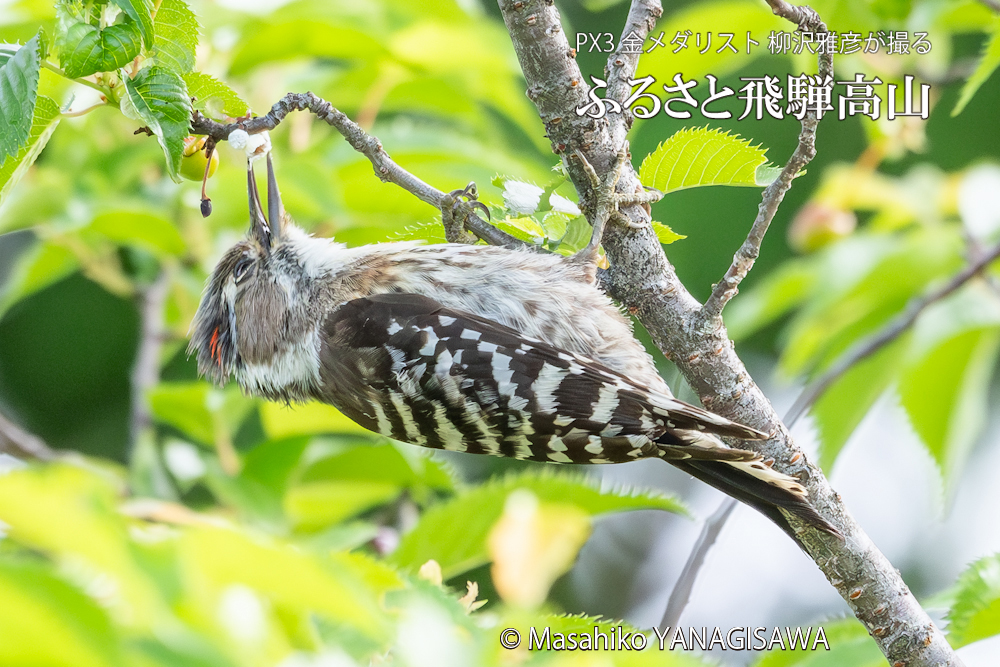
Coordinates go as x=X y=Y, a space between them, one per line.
x=893 y=330
x=385 y=168
x=728 y=287
x=641 y=278
x=681 y=593
x=743 y=261
x=15 y=440
x=146 y=368
x=642 y=16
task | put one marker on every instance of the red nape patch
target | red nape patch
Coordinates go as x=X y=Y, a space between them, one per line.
x=213 y=345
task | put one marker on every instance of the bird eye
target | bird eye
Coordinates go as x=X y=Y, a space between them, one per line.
x=242 y=268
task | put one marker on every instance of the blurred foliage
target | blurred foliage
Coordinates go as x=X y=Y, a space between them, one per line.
x=975 y=613
x=239 y=532
x=144 y=581
x=922 y=228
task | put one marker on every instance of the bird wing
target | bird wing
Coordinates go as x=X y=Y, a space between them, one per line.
x=405 y=366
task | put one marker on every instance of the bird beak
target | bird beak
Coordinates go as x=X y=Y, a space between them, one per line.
x=275 y=211
x=267 y=233
x=258 y=223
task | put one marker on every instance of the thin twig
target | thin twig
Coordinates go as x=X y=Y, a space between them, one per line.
x=385 y=168
x=15 y=440
x=872 y=344
x=681 y=593
x=84 y=82
x=146 y=369
x=807 y=19
x=83 y=112
x=992 y=4
x=725 y=290
x=975 y=252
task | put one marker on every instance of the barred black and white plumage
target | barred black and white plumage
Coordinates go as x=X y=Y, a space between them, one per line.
x=467 y=348
x=409 y=368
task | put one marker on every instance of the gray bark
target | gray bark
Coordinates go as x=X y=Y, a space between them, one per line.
x=643 y=280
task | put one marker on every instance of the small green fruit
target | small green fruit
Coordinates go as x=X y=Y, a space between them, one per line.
x=193 y=159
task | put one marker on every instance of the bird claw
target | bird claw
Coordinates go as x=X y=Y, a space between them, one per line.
x=470 y=195
x=456 y=206
x=609 y=201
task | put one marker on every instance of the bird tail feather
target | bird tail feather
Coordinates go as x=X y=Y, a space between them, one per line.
x=743 y=475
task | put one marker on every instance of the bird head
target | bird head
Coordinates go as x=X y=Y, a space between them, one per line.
x=250 y=300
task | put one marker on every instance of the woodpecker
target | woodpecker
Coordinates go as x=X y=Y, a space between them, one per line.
x=468 y=348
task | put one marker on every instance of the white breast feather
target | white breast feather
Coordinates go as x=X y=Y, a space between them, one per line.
x=297 y=365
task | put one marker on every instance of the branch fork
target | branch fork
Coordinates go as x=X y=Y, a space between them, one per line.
x=608 y=200
x=641 y=278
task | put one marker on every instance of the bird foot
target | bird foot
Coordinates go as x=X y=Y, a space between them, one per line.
x=456 y=206
x=609 y=201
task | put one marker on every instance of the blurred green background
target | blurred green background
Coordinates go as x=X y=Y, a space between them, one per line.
x=97 y=227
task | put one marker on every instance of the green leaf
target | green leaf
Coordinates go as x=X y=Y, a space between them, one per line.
x=43 y=124
x=479 y=508
x=428 y=232
x=253 y=502
x=664 y=234
x=185 y=407
x=37 y=606
x=319 y=504
x=892 y=9
x=988 y=63
x=192 y=651
x=38 y=268
x=848 y=641
x=302 y=39
x=139 y=12
x=313 y=418
x=176 y=36
x=68 y=512
x=767 y=174
x=577 y=236
x=842 y=407
x=85 y=49
x=776 y=294
x=555 y=224
x=975 y=614
x=698 y=156
x=523 y=227
x=214 y=97
x=382 y=463
x=271 y=464
x=7 y=52
x=945 y=382
x=867 y=279
x=470 y=54
x=965 y=16
x=18 y=95
x=158 y=97
x=376 y=575
x=197 y=409
x=141 y=229
x=284 y=574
